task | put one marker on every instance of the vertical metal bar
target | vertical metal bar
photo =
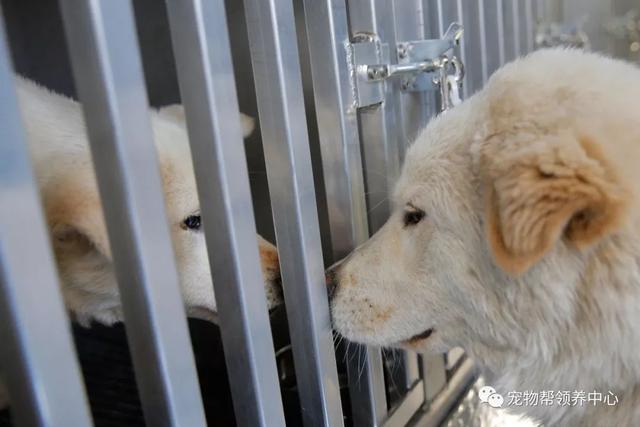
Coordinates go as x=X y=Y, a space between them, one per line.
x=536 y=13
x=500 y=30
x=276 y=70
x=414 y=108
x=523 y=26
x=529 y=24
x=473 y=44
x=108 y=74
x=494 y=44
x=434 y=375
x=482 y=18
x=543 y=11
x=448 y=13
x=205 y=75
x=378 y=124
x=381 y=137
x=451 y=11
x=461 y=17
x=440 y=14
x=327 y=32
x=511 y=42
x=515 y=17
x=37 y=351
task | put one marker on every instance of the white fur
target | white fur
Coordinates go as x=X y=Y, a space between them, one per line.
x=568 y=321
x=60 y=154
x=61 y=158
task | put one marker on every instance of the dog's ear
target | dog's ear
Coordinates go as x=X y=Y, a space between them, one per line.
x=540 y=192
x=75 y=217
x=176 y=112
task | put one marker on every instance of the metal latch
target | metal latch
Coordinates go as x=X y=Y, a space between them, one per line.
x=421 y=65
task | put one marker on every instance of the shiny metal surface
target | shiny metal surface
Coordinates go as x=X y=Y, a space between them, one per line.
x=414 y=108
x=277 y=77
x=523 y=26
x=511 y=29
x=328 y=37
x=529 y=24
x=37 y=354
x=406 y=410
x=201 y=45
x=440 y=408
x=493 y=23
x=470 y=412
x=378 y=124
x=471 y=16
x=380 y=135
x=108 y=75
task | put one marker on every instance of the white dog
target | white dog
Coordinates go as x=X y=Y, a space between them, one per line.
x=514 y=235
x=59 y=148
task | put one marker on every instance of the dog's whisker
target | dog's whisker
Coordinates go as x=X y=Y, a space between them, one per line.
x=377 y=205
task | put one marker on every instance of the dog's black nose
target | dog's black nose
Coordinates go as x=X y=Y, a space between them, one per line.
x=331 y=281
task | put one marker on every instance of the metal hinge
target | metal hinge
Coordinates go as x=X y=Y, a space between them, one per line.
x=421 y=65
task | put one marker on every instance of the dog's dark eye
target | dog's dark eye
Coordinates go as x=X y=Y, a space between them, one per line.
x=413 y=217
x=192 y=222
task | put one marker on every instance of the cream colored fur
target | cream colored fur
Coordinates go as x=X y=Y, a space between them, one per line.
x=528 y=256
x=61 y=158
x=59 y=149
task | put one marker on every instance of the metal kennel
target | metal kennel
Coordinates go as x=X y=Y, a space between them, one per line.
x=371 y=66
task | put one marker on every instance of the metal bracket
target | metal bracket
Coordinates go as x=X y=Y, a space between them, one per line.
x=421 y=51
x=418 y=64
x=367 y=49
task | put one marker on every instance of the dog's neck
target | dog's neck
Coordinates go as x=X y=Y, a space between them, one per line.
x=598 y=349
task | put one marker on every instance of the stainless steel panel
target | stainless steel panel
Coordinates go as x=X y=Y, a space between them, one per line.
x=201 y=45
x=529 y=18
x=524 y=13
x=277 y=77
x=493 y=23
x=381 y=131
x=461 y=380
x=327 y=32
x=511 y=34
x=108 y=74
x=434 y=374
x=406 y=410
x=414 y=108
x=37 y=354
x=473 y=45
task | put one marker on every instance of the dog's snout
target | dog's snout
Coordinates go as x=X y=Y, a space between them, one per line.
x=331 y=281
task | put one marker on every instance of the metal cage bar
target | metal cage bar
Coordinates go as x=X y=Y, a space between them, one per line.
x=493 y=36
x=378 y=123
x=511 y=30
x=276 y=70
x=414 y=108
x=471 y=14
x=207 y=85
x=523 y=26
x=381 y=137
x=529 y=16
x=37 y=354
x=108 y=74
x=327 y=32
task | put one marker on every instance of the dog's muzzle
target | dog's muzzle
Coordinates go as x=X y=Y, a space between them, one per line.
x=330 y=278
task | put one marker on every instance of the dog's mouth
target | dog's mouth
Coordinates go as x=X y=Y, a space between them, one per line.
x=420 y=337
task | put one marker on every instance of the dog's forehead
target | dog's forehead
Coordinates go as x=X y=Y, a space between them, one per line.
x=429 y=173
